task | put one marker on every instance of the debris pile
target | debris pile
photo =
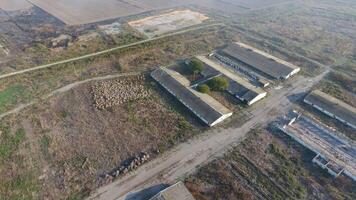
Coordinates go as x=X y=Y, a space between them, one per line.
x=126 y=167
x=115 y=92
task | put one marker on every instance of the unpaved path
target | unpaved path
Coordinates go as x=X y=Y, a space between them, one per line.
x=65 y=89
x=105 y=51
x=186 y=157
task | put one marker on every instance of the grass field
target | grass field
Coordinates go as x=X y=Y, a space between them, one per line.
x=10 y=95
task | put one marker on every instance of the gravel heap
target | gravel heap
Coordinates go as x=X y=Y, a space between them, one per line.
x=126 y=167
x=115 y=92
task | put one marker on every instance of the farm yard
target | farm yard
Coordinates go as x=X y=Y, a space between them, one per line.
x=68 y=138
x=64 y=113
x=71 y=128
x=159 y=24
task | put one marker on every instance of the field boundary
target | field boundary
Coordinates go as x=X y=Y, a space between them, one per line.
x=105 y=51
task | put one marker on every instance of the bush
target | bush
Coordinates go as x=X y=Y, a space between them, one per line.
x=218 y=84
x=195 y=66
x=204 y=88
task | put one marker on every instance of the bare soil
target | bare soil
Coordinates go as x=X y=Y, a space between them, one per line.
x=159 y=24
x=72 y=143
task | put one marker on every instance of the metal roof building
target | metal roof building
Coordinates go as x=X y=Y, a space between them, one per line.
x=239 y=87
x=261 y=61
x=202 y=105
x=177 y=191
x=332 y=107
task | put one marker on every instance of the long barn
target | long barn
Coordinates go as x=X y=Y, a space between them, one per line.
x=261 y=62
x=206 y=108
x=332 y=107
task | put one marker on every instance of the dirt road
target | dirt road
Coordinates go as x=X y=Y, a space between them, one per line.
x=65 y=89
x=105 y=51
x=186 y=157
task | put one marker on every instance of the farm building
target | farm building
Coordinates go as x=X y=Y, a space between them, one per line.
x=239 y=87
x=202 y=105
x=260 y=61
x=177 y=191
x=334 y=152
x=332 y=107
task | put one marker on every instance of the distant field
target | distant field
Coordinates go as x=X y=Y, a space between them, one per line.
x=74 y=12
x=10 y=5
x=159 y=24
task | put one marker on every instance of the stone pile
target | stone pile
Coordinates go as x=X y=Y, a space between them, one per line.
x=115 y=92
x=127 y=167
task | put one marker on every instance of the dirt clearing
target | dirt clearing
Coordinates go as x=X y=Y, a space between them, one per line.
x=159 y=24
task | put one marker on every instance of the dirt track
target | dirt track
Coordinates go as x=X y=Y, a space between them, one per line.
x=2 y=76
x=186 y=157
x=65 y=89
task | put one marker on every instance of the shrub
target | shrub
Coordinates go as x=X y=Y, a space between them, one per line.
x=195 y=66
x=218 y=84
x=204 y=88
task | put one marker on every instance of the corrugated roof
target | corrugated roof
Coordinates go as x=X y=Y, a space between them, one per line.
x=203 y=105
x=177 y=191
x=258 y=61
x=238 y=86
x=332 y=105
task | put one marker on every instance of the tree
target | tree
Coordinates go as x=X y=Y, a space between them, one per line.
x=204 y=88
x=195 y=66
x=218 y=84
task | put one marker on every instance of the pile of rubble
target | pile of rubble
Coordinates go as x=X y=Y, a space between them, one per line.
x=126 y=167
x=115 y=92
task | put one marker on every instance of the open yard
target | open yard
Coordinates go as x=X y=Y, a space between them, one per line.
x=69 y=142
x=159 y=24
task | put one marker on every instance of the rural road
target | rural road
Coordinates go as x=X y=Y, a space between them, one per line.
x=105 y=51
x=65 y=89
x=186 y=157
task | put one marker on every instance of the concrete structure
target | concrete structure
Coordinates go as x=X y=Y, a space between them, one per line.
x=202 y=105
x=332 y=107
x=239 y=87
x=334 y=153
x=240 y=69
x=177 y=191
x=260 y=61
x=332 y=168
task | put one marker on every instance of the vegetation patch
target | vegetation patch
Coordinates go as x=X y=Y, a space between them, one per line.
x=9 y=96
x=218 y=84
x=204 y=88
x=10 y=142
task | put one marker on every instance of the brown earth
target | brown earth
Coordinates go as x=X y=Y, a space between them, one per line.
x=72 y=143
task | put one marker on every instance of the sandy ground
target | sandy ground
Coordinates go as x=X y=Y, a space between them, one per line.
x=186 y=157
x=12 y=5
x=159 y=24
